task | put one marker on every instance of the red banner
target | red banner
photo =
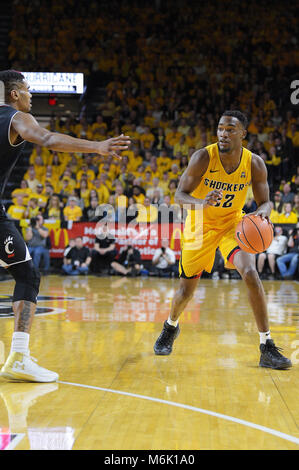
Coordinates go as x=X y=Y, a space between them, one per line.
x=146 y=237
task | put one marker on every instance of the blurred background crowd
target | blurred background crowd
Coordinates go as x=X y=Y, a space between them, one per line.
x=168 y=70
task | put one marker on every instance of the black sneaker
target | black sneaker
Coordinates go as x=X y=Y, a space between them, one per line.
x=163 y=345
x=271 y=357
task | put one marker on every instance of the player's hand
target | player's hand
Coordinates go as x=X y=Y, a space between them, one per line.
x=212 y=198
x=262 y=212
x=114 y=145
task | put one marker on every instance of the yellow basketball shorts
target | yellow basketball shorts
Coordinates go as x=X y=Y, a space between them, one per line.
x=194 y=261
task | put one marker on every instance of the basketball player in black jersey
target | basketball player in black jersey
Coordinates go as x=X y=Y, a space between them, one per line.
x=17 y=125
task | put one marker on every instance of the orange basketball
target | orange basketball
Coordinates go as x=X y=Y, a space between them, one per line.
x=253 y=234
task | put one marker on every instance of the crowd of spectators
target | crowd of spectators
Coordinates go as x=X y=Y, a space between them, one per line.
x=168 y=69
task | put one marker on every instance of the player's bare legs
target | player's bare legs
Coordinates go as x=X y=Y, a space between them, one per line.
x=163 y=345
x=182 y=296
x=245 y=265
x=270 y=355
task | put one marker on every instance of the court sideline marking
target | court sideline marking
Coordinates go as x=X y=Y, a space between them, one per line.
x=282 y=435
x=15 y=441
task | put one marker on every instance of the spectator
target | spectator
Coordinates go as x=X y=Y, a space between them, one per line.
x=129 y=262
x=164 y=183
x=55 y=208
x=57 y=166
x=164 y=261
x=32 y=208
x=172 y=187
x=174 y=174
x=84 y=192
x=49 y=178
x=91 y=213
x=120 y=198
x=278 y=204
x=37 y=238
x=153 y=188
x=288 y=263
x=72 y=211
x=159 y=143
x=30 y=177
x=17 y=211
x=40 y=169
x=295 y=185
x=79 y=200
x=296 y=205
x=147 y=181
x=65 y=189
x=77 y=260
x=287 y=217
x=277 y=248
x=147 y=212
x=181 y=148
x=85 y=171
x=104 y=251
x=138 y=194
x=39 y=195
x=101 y=189
x=147 y=139
x=156 y=198
x=49 y=191
x=71 y=244
x=23 y=190
x=287 y=195
x=183 y=127
x=169 y=213
x=274 y=215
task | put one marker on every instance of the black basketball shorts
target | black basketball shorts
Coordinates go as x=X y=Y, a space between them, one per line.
x=13 y=249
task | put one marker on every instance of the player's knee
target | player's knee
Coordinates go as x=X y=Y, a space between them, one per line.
x=27 y=279
x=250 y=275
x=185 y=293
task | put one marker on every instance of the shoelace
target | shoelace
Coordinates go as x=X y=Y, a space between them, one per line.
x=275 y=350
x=166 y=335
x=31 y=357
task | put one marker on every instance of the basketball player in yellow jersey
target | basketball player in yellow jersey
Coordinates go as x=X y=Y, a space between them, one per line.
x=214 y=188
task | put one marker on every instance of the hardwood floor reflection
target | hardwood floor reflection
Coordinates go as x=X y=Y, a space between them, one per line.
x=114 y=393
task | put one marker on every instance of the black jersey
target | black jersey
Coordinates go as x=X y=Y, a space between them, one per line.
x=9 y=153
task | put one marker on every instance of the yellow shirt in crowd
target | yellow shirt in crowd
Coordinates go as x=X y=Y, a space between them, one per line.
x=72 y=213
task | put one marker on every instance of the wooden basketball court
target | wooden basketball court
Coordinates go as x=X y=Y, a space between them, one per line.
x=114 y=393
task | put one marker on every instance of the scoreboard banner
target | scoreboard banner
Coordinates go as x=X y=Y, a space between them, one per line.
x=55 y=82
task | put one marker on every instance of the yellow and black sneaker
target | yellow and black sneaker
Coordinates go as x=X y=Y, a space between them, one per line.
x=272 y=358
x=163 y=345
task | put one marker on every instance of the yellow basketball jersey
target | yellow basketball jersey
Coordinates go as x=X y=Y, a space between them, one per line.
x=234 y=187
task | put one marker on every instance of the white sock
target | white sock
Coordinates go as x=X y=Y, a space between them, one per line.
x=171 y=322
x=264 y=336
x=20 y=342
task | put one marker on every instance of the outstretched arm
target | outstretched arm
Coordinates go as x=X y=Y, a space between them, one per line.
x=27 y=127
